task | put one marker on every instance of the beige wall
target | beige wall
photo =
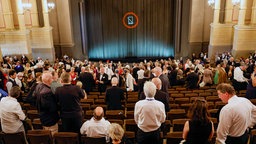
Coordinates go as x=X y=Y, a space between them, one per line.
x=20 y=32
x=61 y=22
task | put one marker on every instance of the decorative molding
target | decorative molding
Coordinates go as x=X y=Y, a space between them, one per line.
x=245 y=27
x=64 y=44
x=15 y=32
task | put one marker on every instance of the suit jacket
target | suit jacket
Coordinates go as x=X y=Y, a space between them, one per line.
x=192 y=80
x=102 y=87
x=87 y=80
x=9 y=66
x=114 y=95
x=160 y=96
x=165 y=82
x=173 y=77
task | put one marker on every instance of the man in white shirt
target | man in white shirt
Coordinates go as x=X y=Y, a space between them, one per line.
x=240 y=82
x=149 y=114
x=11 y=114
x=235 y=117
x=97 y=126
x=129 y=80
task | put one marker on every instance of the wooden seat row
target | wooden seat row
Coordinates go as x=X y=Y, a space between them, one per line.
x=45 y=137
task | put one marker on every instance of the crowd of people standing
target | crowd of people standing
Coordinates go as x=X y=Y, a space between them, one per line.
x=53 y=89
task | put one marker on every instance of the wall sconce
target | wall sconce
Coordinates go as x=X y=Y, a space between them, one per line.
x=211 y=3
x=235 y=2
x=26 y=6
x=51 y=6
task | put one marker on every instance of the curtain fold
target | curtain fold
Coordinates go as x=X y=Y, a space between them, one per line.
x=109 y=38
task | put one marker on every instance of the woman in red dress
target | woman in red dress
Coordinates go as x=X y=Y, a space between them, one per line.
x=73 y=76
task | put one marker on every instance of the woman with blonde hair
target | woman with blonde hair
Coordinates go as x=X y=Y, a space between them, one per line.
x=116 y=133
x=199 y=129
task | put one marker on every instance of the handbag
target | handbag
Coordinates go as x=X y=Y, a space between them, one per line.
x=27 y=124
x=202 y=84
x=182 y=142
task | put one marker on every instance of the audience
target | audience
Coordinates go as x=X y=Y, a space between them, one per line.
x=11 y=114
x=114 y=96
x=80 y=84
x=102 y=80
x=116 y=134
x=192 y=79
x=160 y=95
x=240 y=82
x=251 y=87
x=199 y=129
x=129 y=80
x=221 y=74
x=235 y=117
x=97 y=126
x=87 y=79
x=165 y=80
x=11 y=81
x=69 y=96
x=147 y=119
x=46 y=104
x=31 y=97
x=207 y=75
x=149 y=114
x=55 y=82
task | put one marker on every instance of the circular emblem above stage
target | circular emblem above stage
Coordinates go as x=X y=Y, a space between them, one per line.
x=130 y=20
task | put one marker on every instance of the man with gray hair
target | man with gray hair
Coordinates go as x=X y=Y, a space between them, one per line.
x=149 y=114
x=240 y=82
x=114 y=96
x=160 y=95
x=11 y=113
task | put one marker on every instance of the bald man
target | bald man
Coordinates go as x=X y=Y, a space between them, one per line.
x=164 y=79
x=97 y=126
x=160 y=95
x=114 y=96
x=47 y=104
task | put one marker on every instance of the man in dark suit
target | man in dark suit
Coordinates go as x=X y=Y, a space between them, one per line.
x=192 y=79
x=163 y=78
x=102 y=80
x=114 y=96
x=8 y=62
x=32 y=62
x=87 y=79
x=160 y=95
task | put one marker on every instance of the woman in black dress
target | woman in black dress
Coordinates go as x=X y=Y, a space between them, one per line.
x=199 y=129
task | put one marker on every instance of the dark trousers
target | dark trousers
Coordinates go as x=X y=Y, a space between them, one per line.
x=238 y=140
x=71 y=124
x=239 y=85
x=148 y=137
